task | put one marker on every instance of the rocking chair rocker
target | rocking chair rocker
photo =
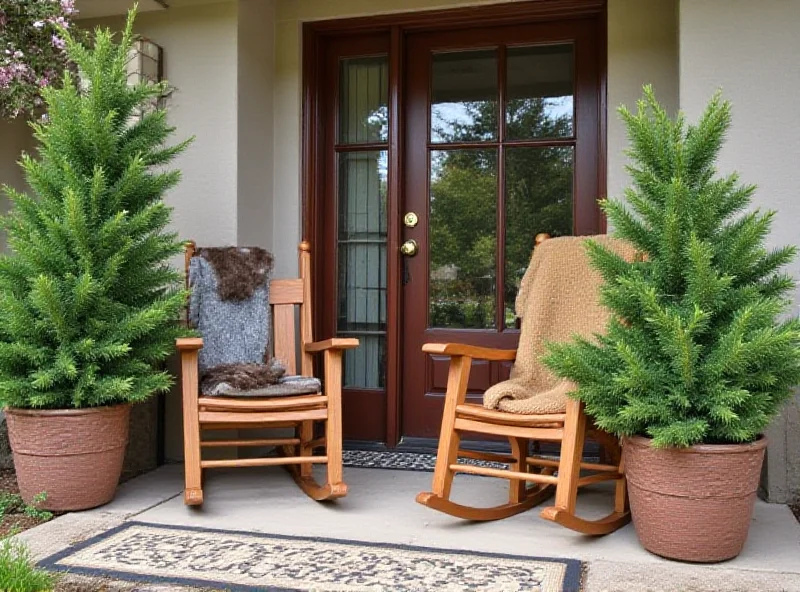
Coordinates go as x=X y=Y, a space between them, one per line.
x=568 y=425
x=258 y=410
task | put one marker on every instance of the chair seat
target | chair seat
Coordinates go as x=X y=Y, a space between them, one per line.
x=282 y=403
x=481 y=413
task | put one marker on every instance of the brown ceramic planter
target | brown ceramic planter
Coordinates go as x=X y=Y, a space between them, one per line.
x=693 y=504
x=74 y=455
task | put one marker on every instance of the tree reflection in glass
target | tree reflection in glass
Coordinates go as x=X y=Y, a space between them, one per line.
x=463 y=227
x=463 y=238
x=538 y=199
x=464 y=189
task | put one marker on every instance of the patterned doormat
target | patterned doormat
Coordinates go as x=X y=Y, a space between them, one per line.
x=402 y=461
x=415 y=461
x=242 y=561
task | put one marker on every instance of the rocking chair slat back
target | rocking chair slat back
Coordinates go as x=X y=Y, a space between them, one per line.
x=188 y=252
x=286 y=292
x=285 y=346
x=306 y=334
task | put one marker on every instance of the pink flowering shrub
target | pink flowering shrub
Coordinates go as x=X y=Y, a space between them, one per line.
x=31 y=51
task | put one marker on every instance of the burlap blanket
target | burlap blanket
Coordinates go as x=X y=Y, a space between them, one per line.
x=558 y=298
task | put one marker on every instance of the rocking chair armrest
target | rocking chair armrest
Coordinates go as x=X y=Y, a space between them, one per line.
x=472 y=351
x=189 y=343
x=328 y=344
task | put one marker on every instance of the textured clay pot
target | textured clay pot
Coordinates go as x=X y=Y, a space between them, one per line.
x=693 y=504
x=73 y=455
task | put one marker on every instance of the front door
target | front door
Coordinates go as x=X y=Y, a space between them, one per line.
x=487 y=136
x=501 y=144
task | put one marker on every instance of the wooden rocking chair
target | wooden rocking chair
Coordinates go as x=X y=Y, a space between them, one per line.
x=300 y=412
x=569 y=428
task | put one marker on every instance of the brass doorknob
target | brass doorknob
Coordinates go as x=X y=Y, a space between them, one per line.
x=409 y=248
x=411 y=219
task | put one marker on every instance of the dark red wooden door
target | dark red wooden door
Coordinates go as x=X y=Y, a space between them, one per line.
x=501 y=142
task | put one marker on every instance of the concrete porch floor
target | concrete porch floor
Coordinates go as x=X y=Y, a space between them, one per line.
x=380 y=507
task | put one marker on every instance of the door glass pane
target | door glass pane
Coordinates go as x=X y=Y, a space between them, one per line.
x=463 y=238
x=539 y=90
x=538 y=199
x=363 y=100
x=464 y=96
x=362 y=265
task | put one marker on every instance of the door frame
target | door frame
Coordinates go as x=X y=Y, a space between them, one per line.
x=315 y=35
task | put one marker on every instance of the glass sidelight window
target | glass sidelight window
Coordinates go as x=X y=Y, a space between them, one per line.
x=362 y=223
x=364 y=100
x=501 y=167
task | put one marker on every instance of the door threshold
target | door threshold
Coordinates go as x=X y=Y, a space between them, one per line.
x=430 y=445
x=424 y=446
x=366 y=445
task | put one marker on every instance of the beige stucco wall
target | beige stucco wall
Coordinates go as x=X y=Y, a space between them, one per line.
x=757 y=69
x=220 y=57
x=199 y=52
x=200 y=59
x=15 y=137
x=642 y=49
x=750 y=51
x=255 y=142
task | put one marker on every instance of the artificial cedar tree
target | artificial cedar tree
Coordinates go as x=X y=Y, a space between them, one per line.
x=699 y=348
x=88 y=300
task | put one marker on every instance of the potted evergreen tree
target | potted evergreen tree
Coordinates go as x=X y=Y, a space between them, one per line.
x=698 y=356
x=88 y=301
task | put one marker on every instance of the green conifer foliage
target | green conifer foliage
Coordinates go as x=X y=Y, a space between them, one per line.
x=88 y=302
x=699 y=348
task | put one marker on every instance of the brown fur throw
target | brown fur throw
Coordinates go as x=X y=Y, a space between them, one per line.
x=240 y=271
x=224 y=378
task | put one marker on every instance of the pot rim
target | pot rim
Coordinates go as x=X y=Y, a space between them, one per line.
x=66 y=412
x=644 y=442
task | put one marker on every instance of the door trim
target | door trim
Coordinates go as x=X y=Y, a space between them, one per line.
x=459 y=17
x=394 y=292
x=397 y=26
